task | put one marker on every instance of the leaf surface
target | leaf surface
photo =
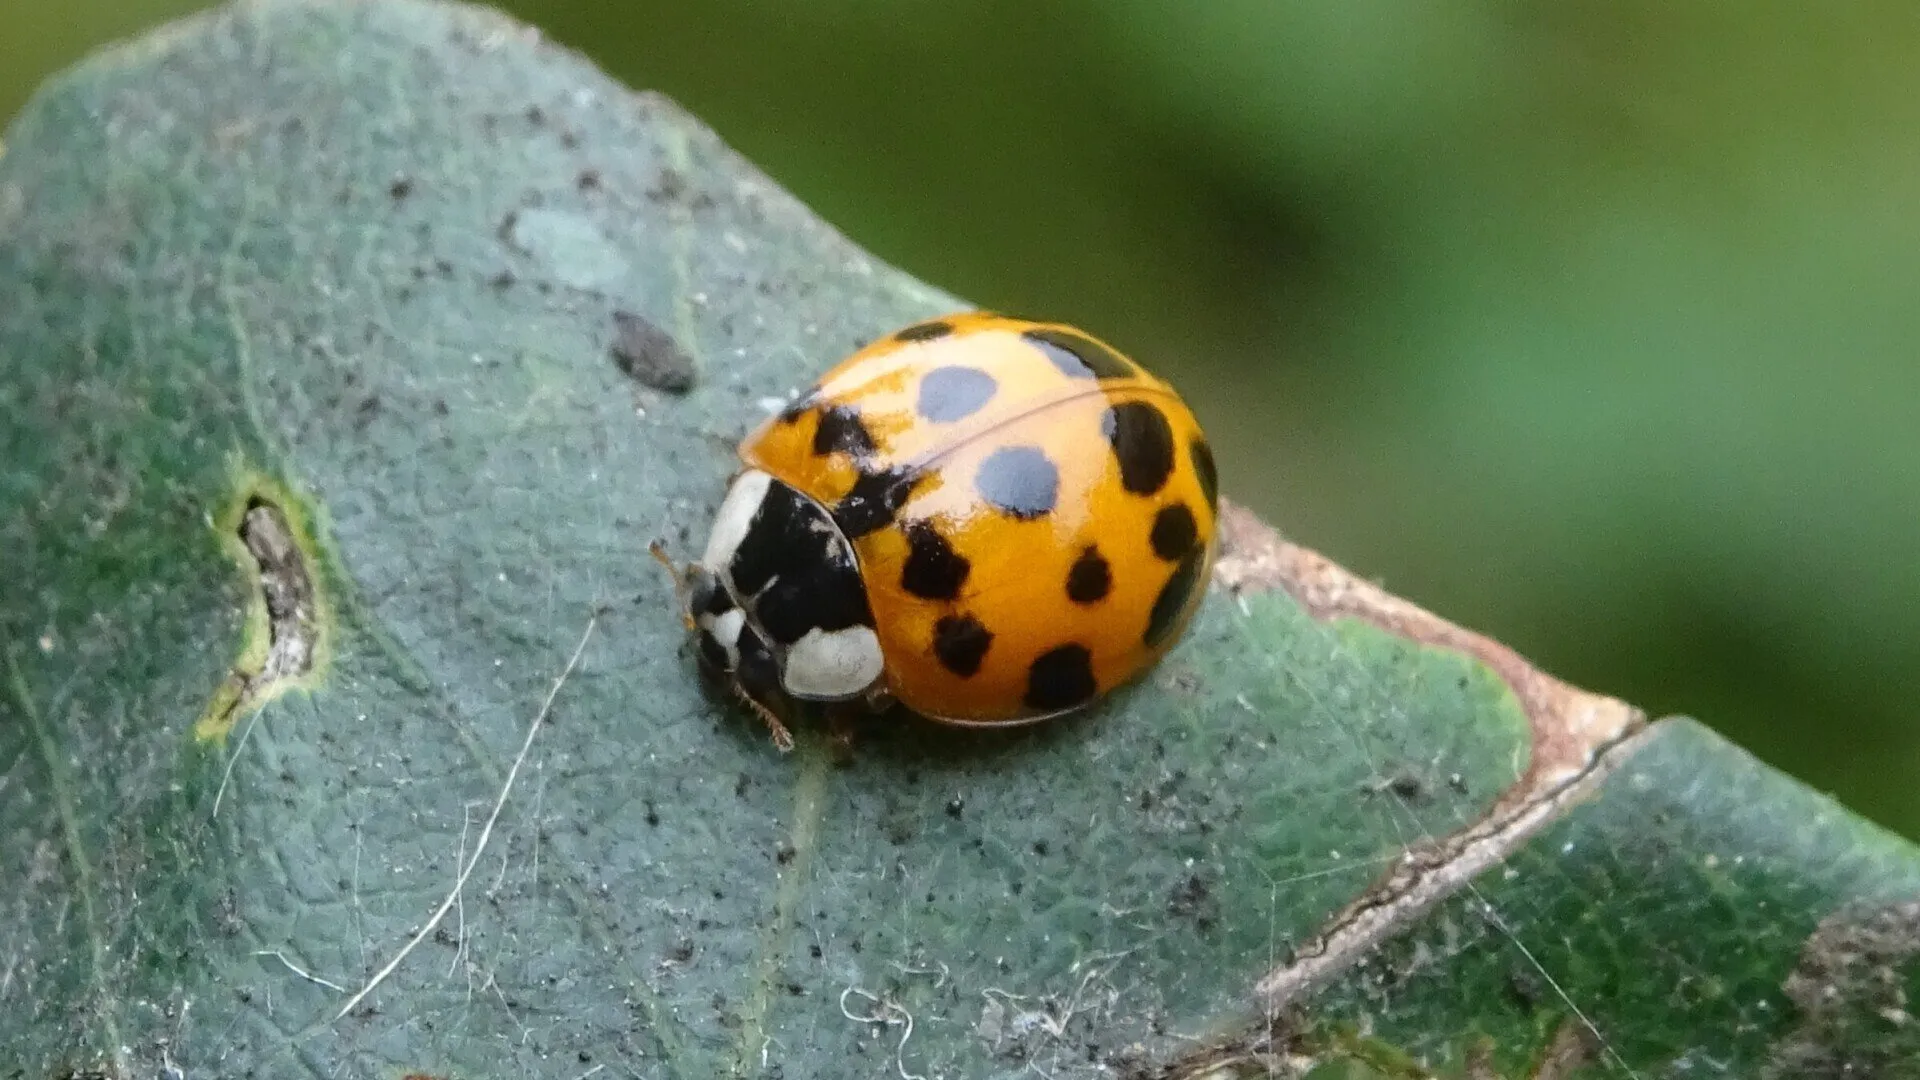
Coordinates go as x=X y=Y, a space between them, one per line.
x=351 y=356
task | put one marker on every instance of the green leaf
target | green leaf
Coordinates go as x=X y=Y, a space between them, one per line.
x=324 y=516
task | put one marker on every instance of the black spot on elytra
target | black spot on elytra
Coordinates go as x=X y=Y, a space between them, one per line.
x=1164 y=619
x=1061 y=678
x=1143 y=444
x=926 y=331
x=1203 y=466
x=873 y=501
x=1090 y=578
x=960 y=643
x=954 y=393
x=1079 y=356
x=1019 y=481
x=841 y=432
x=933 y=570
x=1174 y=532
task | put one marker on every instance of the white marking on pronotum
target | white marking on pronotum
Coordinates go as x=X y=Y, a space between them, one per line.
x=831 y=664
x=486 y=831
x=725 y=628
x=730 y=525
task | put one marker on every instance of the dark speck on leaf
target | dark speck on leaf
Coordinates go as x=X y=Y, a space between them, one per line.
x=502 y=280
x=588 y=180
x=401 y=187
x=1524 y=987
x=649 y=355
x=956 y=806
x=1192 y=899
x=670 y=185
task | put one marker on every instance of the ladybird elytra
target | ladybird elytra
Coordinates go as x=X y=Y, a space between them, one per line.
x=988 y=519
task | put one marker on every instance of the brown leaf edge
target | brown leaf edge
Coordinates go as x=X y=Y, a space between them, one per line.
x=1578 y=739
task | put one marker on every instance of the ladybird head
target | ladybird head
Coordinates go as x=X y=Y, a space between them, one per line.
x=776 y=603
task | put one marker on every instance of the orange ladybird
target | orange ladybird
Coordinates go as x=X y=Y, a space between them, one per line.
x=989 y=520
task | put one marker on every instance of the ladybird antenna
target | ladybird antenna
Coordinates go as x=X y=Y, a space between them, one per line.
x=658 y=549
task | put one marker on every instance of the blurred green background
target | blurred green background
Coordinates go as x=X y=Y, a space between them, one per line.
x=1594 y=325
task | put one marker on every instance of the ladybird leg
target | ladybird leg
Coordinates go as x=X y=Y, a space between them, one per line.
x=757 y=679
x=878 y=699
x=840 y=730
x=782 y=738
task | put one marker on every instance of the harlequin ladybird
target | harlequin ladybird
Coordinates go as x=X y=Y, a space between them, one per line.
x=989 y=520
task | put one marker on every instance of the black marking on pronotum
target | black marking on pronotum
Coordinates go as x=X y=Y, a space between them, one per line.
x=1164 y=619
x=1174 y=532
x=873 y=501
x=1061 y=678
x=933 y=570
x=1203 y=466
x=705 y=596
x=1079 y=356
x=841 y=432
x=828 y=596
x=780 y=537
x=1090 y=578
x=960 y=643
x=954 y=392
x=1019 y=481
x=1142 y=443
